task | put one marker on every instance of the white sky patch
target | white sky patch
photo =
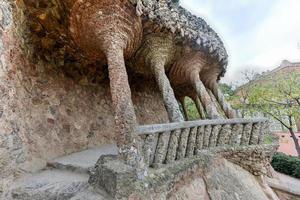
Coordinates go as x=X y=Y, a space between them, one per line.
x=258 y=34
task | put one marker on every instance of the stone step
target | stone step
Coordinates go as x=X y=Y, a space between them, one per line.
x=82 y=161
x=56 y=184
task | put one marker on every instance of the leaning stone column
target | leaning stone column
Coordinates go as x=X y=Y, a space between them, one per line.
x=185 y=110
x=204 y=96
x=154 y=56
x=186 y=71
x=230 y=113
x=111 y=30
x=199 y=107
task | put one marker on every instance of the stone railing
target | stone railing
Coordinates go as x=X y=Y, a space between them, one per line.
x=165 y=143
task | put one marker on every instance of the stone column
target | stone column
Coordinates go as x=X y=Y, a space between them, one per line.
x=111 y=30
x=185 y=110
x=199 y=107
x=167 y=92
x=229 y=112
x=204 y=96
x=125 y=118
x=155 y=54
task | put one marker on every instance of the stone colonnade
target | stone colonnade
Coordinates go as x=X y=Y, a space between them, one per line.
x=118 y=37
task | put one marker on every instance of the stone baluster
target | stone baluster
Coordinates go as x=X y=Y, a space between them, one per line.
x=149 y=148
x=173 y=144
x=224 y=136
x=246 y=134
x=182 y=147
x=255 y=133
x=265 y=129
x=199 y=139
x=214 y=136
x=207 y=132
x=161 y=148
x=192 y=142
x=236 y=134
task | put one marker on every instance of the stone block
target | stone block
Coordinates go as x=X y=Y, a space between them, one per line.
x=111 y=174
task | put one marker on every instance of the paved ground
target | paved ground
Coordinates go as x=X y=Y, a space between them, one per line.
x=84 y=160
x=67 y=179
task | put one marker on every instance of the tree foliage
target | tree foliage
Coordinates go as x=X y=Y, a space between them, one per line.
x=277 y=96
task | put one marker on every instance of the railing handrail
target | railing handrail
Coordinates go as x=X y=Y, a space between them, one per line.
x=157 y=128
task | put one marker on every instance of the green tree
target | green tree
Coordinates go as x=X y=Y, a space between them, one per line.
x=279 y=97
x=227 y=89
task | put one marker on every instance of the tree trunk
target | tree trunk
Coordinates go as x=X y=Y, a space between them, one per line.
x=297 y=120
x=295 y=139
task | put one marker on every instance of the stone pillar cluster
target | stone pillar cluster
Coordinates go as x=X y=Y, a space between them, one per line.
x=113 y=30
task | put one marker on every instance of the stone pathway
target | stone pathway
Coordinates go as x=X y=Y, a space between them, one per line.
x=65 y=178
x=84 y=160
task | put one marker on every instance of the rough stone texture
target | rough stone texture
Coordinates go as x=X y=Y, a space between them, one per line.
x=216 y=178
x=45 y=113
x=83 y=161
x=230 y=113
x=227 y=181
x=55 y=99
x=114 y=176
x=55 y=184
x=186 y=26
x=192 y=142
x=255 y=159
x=192 y=191
x=161 y=149
x=246 y=134
x=193 y=69
x=154 y=57
x=200 y=138
x=96 y=30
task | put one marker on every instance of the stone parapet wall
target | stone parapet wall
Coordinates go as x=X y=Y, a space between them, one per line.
x=255 y=159
x=211 y=172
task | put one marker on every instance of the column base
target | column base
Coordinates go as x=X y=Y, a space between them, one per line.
x=113 y=175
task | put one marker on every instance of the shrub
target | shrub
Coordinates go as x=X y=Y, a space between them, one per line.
x=285 y=164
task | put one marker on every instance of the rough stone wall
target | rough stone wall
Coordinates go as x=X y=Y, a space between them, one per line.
x=255 y=159
x=45 y=114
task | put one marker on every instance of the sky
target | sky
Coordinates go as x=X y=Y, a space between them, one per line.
x=258 y=34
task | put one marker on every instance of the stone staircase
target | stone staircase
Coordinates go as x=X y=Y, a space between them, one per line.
x=64 y=178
